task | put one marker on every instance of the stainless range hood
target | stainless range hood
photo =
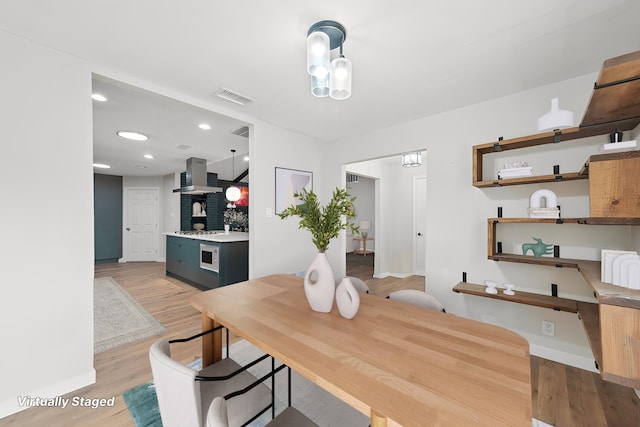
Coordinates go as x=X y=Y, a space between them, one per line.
x=197 y=178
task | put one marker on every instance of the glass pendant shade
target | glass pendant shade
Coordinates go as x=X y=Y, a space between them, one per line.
x=411 y=160
x=318 y=51
x=320 y=87
x=340 y=81
x=232 y=194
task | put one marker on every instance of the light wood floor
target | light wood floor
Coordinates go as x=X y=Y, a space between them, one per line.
x=562 y=395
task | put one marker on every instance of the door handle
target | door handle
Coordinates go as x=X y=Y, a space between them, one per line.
x=128 y=229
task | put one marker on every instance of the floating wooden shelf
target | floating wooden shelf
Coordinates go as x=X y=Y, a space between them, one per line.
x=492 y=250
x=605 y=292
x=564 y=135
x=572 y=176
x=616 y=91
x=538 y=300
x=530 y=259
x=587 y=221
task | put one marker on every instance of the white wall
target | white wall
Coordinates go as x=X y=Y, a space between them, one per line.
x=276 y=245
x=46 y=182
x=457 y=212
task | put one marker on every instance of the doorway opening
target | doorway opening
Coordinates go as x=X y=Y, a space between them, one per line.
x=391 y=202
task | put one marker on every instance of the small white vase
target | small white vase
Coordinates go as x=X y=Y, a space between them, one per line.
x=226 y=229
x=321 y=292
x=347 y=299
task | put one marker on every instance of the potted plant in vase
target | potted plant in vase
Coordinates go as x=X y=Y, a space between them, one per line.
x=324 y=223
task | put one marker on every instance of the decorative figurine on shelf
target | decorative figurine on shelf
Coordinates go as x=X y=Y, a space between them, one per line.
x=538 y=249
x=197 y=209
x=508 y=289
x=491 y=287
x=550 y=208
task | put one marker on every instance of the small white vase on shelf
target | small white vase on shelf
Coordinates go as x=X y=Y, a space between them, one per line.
x=226 y=229
x=347 y=299
x=320 y=292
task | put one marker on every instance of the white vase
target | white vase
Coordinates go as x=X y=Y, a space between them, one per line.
x=226 y=229
x=347 y=299
x=320 y=292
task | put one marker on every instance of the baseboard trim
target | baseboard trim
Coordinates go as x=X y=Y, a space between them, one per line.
x=12 y=406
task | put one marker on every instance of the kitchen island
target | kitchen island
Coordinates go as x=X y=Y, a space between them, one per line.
x=208 y=260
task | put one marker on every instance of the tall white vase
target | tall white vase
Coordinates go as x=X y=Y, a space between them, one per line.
x=347 y=299
x=321 y=292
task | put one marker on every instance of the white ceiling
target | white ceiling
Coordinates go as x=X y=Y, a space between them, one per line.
x=410 y=59
x=172 y=128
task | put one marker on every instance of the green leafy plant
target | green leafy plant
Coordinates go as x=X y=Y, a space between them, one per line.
x=324 y=222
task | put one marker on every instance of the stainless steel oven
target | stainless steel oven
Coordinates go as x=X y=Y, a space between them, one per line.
x=210 y=257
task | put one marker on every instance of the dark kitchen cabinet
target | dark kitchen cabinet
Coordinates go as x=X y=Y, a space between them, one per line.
x=183 y=263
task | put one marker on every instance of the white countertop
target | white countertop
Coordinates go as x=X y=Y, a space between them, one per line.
x=233 y=236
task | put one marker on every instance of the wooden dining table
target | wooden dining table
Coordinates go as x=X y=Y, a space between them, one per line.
x=399 y=364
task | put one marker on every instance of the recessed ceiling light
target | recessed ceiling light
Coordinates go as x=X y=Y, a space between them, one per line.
x=136 y=136
x=101 y=166
x=246 y=158
x=204 y=126
x=98 y=97
x=148 y=156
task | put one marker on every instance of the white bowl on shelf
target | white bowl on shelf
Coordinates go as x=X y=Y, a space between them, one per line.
x=198 y=226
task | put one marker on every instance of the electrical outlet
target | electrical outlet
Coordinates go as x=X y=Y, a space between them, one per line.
x=548 y=328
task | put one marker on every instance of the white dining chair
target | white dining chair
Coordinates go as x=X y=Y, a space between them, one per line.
x=217 y=416
x=419 y=298
x=184 y=394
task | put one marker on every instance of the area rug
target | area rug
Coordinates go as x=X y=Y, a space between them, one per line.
x=118 y=318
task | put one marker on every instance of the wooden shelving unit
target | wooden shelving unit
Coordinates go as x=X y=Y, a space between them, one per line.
x=613 y=325
x=538 y=300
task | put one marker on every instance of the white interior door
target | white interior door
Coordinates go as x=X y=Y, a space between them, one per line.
x=419 y=224
x=141 y=224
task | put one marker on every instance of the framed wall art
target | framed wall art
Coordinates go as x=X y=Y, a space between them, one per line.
x=288 y=182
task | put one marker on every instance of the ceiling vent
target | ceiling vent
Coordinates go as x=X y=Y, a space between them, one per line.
x=232 y=96
x=243 y=131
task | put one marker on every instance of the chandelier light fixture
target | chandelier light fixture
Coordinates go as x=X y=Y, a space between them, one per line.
x=233 y=193
x=412 y=160
x=328 y=77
